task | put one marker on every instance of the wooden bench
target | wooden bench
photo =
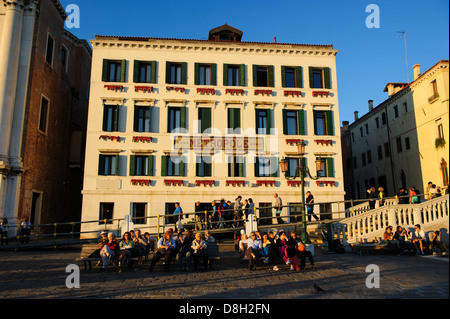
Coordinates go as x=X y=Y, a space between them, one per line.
x=212 y=250
x=88 y=249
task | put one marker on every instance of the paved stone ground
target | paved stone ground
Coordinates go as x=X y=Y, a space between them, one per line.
x=42 y=274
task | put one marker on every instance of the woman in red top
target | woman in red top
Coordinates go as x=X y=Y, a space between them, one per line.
x=109 y=250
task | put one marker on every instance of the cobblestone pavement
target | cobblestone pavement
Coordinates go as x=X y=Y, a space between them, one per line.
x=42 y=274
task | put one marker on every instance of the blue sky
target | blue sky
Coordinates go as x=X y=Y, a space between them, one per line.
x=367 y=58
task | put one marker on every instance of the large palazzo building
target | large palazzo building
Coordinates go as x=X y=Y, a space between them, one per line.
x=44 y=90
x=185 y=120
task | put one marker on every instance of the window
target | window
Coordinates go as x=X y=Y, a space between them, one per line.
x=440 y=129
x=323 y=123
x=363 y=159
x=138 y=213
x=265 y=214
x=387 y=150
x=176 y=119
x=355 y=162
x=328 y=167
x=176 y=73
x=292 y=77
x=234 y=75
x=204 y=117
x=295 y=213
x=383 y=118
x=203 y=166
x=114 y=71
x=407 y=143
x=369 y=157
x=319 y=78
x=141 y=165
x=64 y=57
x=396 y=111
x=43 y=116
x=173 y=166
x=50 y=49
x=144 y=72
x=380 y=152
x=205 y=74
x=111 y=118
x=263 y=76
x=399 y=144
x=367 y=129
x=266 y=167
x=325 y=211
x=361 y=132
x=263 y=123
x=405 y=107
x=106 y=213
x=377 y=122
x=293 y=163
x=141 y=119
x=234 y=121
x=108 y=165
x=236 y=167
x=434 y=91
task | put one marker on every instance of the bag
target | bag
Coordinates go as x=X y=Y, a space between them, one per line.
x=301 y=248
x=415 y=199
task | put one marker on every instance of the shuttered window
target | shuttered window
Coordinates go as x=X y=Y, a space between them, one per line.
x=319 y=78
x=114 y=70
x=234 y=75
x=292 y=77
x=323 y=123
x=173 y=166
x=203 y=166
x=294 y=122
x=111 y=118
x=204 y=118
x=236 y=166
x=142 y=118
x=144 y=72
x=263 y=76
x=234 y=121
x=205 y=74
x=176 y=119
x=108 y=165
x=263 y=121
x=176 y=72
x=141 y=165
x=266 y=167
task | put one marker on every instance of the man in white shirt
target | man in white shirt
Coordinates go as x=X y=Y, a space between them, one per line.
x=419 y=239
x=254 y=250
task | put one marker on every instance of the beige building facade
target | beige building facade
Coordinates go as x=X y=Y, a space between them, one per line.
x=402 y=142
x=173 y=120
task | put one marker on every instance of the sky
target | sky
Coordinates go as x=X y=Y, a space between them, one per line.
x=368 y=58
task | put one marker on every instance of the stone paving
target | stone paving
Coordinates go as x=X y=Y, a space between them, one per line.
x=42 y=274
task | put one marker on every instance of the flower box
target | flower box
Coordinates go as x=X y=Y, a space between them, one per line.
x=112 y=87
x=266 y=183
x=294 y=141
x=206 y=91
x=326 y=183
x=144 y=89
x=321 y=93
x=204 y=183
x=235 y=183
x=176 y=89
x=148 y=139
x=295 y=183
x=109 y=137
x=234 y=91
x=141 y=182
x=267 y=92
x=326 y=142
x=293 y=93
x=173 y=182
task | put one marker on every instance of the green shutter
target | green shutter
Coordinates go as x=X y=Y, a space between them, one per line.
x=330 y=167
x=153 y=77
x=117 y=165
x=231 y=167
x=274 y=166
x=301 y=122
x=164 y=165
x=151 y=159
x=184 y=73
x=135 y=120
x=230 y=119
x=132 y=165
x=183 y=117
x=327 y=77
x=101 y=165
x=271 y=73
x=330 y=126
x=299 y=76
x=105 y=70
x=283 y=76
x=311 y=78
x=123 y=71
x=241 y=167
x=315 y=126
x=256 y=166
x=182 y=166
x=168 y=64
x=207 y=170
x=225 y=75
x=255 y=75
x=116 y=119
x=205 y=118
x=285 y=129
x=237 y=119
x=136 y=71
x=104 y=118
x=242 y=75
x=197 y=73
x=213 y=74
x=269 y=122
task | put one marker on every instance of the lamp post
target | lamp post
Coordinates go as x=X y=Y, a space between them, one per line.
x=303 y=172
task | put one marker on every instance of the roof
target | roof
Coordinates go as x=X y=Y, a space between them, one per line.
x=214 y=34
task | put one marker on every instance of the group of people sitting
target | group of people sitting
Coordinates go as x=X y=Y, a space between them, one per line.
x=182 y=248
x=418 y=241
x=273 y=249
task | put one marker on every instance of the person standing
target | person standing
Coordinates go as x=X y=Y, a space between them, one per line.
x=198 y=216
x=25 y=231
x=4 y=231
x=278 y=206
x=372 y=197
x=381 y=196
x=238 y=212
x=310 y=205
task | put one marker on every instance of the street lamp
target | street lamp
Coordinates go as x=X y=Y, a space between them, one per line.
x=302 y=171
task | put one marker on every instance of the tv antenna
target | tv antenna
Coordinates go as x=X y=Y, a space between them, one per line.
x=403 y=35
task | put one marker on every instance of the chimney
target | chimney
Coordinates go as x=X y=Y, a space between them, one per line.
x=370 y=105
x=356 y=115
x=274 y=39
x=416 y=69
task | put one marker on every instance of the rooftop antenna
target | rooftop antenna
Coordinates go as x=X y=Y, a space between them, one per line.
x=403 y=35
